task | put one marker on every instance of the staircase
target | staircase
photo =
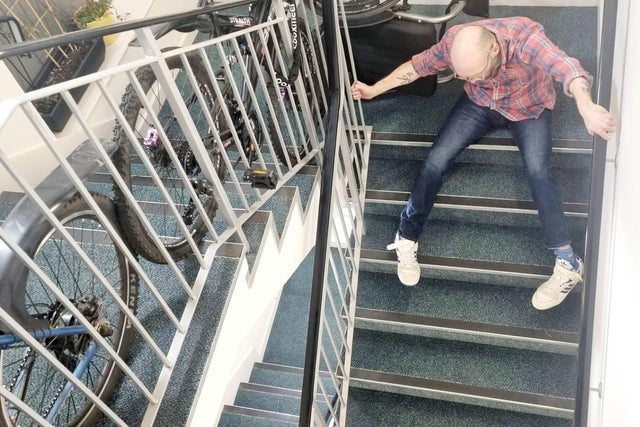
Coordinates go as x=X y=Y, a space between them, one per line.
x=464 y=347
x=288 y=212
x=467 y=333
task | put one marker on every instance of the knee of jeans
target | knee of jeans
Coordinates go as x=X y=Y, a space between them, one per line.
x=539 y=172
x=433 y=168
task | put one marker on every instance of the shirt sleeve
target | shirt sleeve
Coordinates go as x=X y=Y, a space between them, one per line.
x=538 y=50
x=436 y=58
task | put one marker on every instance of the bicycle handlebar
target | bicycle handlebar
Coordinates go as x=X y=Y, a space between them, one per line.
x=455 y=11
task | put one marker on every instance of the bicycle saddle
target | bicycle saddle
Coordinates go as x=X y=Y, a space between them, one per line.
x=202 y=23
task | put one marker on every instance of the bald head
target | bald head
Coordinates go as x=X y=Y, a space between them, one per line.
x=472 y=49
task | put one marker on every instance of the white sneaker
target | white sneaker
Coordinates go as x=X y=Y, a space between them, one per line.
x=555 y=290
x=408 y=267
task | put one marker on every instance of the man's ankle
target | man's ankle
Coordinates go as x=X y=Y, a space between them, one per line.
x=567 y=254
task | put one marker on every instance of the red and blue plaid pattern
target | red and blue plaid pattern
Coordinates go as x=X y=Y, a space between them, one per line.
x=522 y=87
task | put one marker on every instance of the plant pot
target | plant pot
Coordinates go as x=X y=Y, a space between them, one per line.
x=106 y=20
x=56 y=112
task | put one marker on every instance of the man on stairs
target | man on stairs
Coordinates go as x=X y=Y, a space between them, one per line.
x=509 y=66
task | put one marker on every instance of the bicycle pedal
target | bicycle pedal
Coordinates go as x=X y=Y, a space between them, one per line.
x=261 y=178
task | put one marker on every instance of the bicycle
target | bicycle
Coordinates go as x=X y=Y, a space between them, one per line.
x=366 y=13
x=239 y=133
x=64 y=332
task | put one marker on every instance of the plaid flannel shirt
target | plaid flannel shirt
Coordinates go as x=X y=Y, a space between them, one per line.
x=523 y=87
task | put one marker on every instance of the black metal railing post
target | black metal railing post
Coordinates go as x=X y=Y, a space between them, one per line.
x=324 y=215
x=603 y=97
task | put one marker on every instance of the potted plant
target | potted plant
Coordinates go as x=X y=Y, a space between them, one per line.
x=96 y=13
x=66 y=63
x=46 y=18
x=71 y=61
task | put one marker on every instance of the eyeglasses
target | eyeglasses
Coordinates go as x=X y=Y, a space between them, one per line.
x=486 y=72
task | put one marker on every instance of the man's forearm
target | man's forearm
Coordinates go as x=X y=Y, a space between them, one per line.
x=581 y=91
x=597 y=119
x=403 y=75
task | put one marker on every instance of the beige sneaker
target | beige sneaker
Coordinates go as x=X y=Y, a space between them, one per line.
x=408 y=267
x=555 y=290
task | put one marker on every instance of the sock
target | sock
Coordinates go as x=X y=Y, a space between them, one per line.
x=568 y=255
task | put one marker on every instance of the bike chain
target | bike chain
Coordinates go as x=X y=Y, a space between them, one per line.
x=14 y=380
x=12 y=384
x=53 y=400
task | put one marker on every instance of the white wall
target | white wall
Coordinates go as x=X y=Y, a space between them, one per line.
x=615 y=368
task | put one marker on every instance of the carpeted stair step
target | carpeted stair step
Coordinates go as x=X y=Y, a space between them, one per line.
x=279 y=203
x=476 y=210
x=272 y=399
x=266 y=398
x=459 y=245
x=281 y=376
x=376 y=408
x=468 y=178
x=185 y=379
x=271 y=395
x=145 y=189
x=498 y=377
x=466 y=311
x=492 y=149
x=274 y=375
x=235 y=416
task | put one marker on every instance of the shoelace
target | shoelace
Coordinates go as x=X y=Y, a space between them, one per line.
x=405 y=250
x=565 y=278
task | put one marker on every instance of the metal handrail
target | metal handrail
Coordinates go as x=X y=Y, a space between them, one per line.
x=188 y=287
x=596 y=195
x=88 y=34
x=329 y=20
x=338 y=243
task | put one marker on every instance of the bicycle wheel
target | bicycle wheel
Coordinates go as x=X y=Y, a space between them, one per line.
x=296 y=136
x=27 y=374
x=165 y=224
x=356 y=10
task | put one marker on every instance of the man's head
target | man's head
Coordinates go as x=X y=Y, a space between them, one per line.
x=474 y=53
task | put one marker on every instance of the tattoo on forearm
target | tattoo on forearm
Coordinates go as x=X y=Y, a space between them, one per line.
x=407 y=78
x=583 y=86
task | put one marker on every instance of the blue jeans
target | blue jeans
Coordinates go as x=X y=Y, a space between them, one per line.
x=467 y=123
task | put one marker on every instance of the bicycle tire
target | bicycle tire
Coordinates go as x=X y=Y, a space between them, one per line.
x=356 y=10
x=163 y=221
x=313 y=77
x=236 y=132
x=38 y=382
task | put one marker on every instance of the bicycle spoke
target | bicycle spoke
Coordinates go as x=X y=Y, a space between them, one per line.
x=29 y=375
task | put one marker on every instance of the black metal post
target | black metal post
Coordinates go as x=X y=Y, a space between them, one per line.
x=324 y=215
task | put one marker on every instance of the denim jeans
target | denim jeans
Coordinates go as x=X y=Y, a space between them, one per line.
x=467 y=123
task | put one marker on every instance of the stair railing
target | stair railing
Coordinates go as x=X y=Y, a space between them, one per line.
x=594 y=225
x=337 y=251
x=174 y=308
